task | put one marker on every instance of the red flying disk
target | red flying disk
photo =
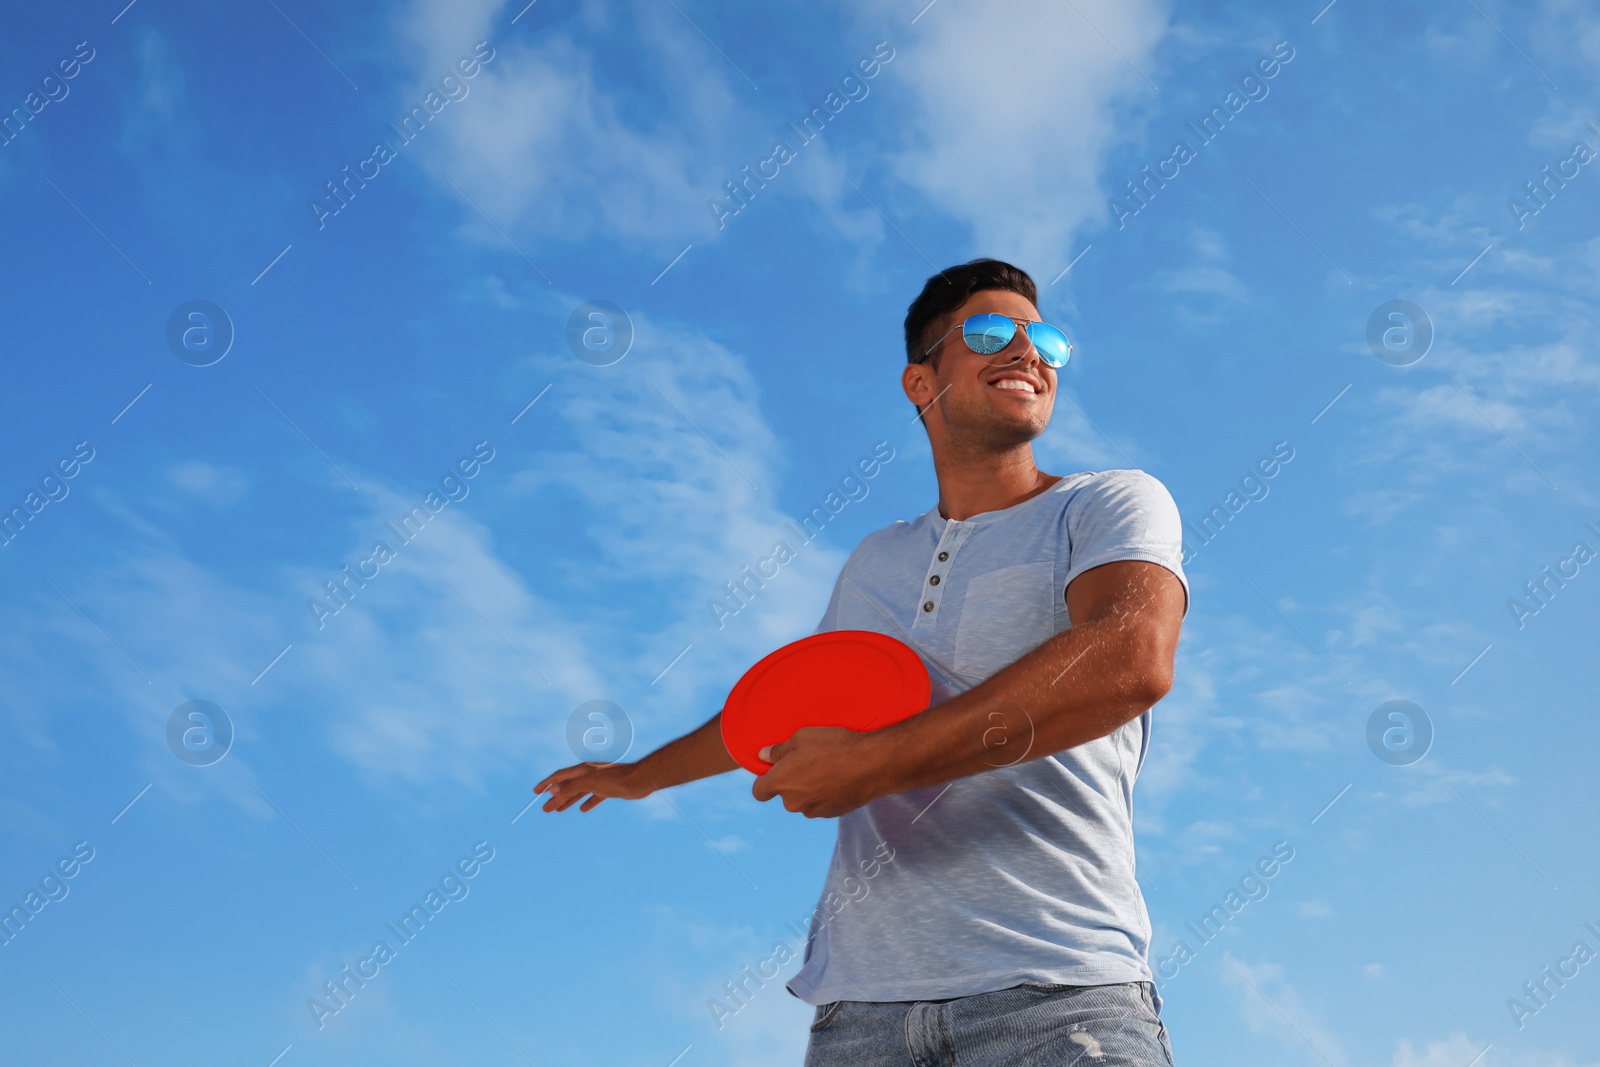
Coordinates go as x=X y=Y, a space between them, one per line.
x=857 y=679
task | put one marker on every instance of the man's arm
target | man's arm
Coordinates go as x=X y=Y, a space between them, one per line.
x=697 y=754
x=1112 y=665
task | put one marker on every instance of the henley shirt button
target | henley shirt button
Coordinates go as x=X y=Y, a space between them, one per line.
x=934 y=580
x=943 y=556
x=928 y=606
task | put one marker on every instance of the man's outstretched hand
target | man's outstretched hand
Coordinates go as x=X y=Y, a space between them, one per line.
x=597 y=781
x=822 y=772
x=697 y=754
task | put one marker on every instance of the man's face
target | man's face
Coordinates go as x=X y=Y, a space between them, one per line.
x=996 y=401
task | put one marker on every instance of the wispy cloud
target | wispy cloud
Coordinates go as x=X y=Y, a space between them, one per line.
x=1071 y=74
x=454 y=663
x=1270 y=1005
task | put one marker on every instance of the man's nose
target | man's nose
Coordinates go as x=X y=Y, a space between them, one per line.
x=1026 y=348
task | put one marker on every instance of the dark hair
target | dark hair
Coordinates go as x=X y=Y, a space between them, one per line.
x=948 y=290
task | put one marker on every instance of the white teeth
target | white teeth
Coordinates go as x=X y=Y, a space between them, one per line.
x=1012 y=383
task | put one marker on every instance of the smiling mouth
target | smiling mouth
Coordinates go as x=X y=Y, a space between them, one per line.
x=1013 y=385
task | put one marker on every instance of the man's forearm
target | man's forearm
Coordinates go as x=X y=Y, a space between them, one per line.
x=1077 y=686
x=695 y=755
x=1114 y=663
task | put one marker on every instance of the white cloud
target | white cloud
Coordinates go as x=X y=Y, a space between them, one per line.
x=162 y=101
x=770 y=1026
x=1203 y=840
x=451 y=664
x=542 y=143
x=1237 y=683
x=1206 y=275
x=1454 y=1051
x=675 y=474
x=991 y=142
x=772 y=1029
x=1502 y=397
x=1439 y=783
x=1270 y=1005
x=435 y=35
x=214 y=485
x=1569 y=26
x=1458 y=1050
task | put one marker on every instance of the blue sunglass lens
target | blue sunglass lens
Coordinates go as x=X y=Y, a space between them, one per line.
x=989 y=333
x=1053 y=346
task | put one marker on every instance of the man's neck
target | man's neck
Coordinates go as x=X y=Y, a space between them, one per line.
x=973 y=484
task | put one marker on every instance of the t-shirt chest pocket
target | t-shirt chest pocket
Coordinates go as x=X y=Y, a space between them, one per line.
x=1004 y=614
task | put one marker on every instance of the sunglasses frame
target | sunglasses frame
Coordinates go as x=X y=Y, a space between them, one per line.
x=1026 y=325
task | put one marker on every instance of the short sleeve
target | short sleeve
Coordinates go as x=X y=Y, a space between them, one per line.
x=1124 y=514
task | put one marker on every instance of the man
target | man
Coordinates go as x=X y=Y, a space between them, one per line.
x=1002 y=923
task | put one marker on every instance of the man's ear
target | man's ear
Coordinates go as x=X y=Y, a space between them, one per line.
x=918 y=382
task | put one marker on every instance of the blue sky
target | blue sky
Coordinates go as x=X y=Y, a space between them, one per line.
x=374 y=349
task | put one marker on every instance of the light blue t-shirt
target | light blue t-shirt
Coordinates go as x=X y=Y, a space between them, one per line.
x=1020 y=874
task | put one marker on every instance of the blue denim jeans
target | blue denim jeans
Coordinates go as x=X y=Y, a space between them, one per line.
x=1029 y=1025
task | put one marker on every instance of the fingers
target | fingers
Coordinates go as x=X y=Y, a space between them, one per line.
x=562 y=801
x=570 y=785
x=562 y=775
x=762 y=790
